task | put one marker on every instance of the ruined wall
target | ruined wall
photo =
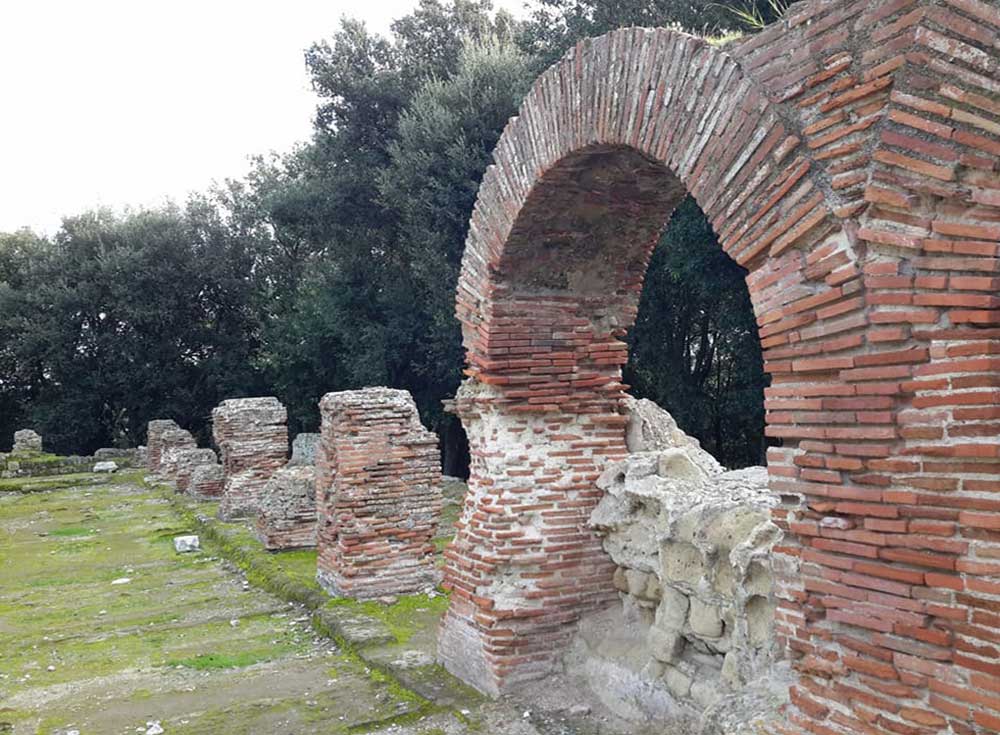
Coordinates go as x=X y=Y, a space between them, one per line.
x=848 y=157
x=173 y=443
x=206 y=482
x=253 y=441
x=692 y=544
x=287 y=517
x=157 y=433
x=186 y=461
x=379 y=476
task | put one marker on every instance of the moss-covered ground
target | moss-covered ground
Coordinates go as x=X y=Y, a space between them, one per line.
x=103 y=628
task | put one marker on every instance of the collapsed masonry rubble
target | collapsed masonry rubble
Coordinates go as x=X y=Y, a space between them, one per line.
x=379 y=495
x=287 y=515
x=27 y=440
x=692 y=544
x=253 y=441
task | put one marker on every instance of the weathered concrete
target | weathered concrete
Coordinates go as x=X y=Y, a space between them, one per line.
x=379 y=495
x=253 y=440
x=693 y=544
x=848 y=158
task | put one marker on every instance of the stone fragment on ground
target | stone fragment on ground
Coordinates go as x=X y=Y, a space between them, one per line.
x=184 y=544
x=107 y=466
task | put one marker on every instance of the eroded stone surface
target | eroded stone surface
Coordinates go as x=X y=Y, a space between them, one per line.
x=26 y=440
x=304 y=450
x=186 y=461
x=253 y=441
x=379 y=495
x=206 y=482
x=693 y=544
x=287 y=515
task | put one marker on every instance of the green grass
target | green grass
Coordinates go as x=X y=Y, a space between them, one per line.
x=208 y=661
x=401 y=618
x=72 y=531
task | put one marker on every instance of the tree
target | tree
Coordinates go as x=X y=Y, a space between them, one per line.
x=125 y=319
x=695 y=349
x=556 y=25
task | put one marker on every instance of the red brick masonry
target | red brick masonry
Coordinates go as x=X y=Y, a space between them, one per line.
x=848 y=157
x=378 y=495
x=253 y=442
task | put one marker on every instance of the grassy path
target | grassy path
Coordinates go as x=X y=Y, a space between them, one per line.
x=104 y=628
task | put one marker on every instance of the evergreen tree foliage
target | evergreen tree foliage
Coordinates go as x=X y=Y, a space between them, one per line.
x=333 y=266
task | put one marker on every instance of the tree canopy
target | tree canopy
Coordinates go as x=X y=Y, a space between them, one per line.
x=333 y=265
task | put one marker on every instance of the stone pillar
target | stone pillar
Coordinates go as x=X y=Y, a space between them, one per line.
x=173 y=442
x=379 y=486
x=155 y=430
x=287 y=516
x=253 y=441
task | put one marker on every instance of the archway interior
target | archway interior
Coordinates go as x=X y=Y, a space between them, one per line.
x=543 y=413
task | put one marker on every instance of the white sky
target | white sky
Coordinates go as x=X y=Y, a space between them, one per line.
x=115 y=102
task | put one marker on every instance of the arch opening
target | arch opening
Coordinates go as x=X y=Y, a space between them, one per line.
x=544 y=414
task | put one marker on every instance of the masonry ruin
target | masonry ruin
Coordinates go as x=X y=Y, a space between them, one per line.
x=26 y=440
x=186 y=461
x=287 y=515
x=162 y=436
x=378 y=495
x=253 y=442
x=848 y=157
x=692 y=544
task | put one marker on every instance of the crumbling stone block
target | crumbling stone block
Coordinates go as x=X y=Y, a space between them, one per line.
x=253 y=441
x=287 y=516
x=693 y=544
x=163 y=435
x=379 y=488
x=185 y=461
x=206 y=482
x=26 y=440
x=304 y=448
x=174 y=442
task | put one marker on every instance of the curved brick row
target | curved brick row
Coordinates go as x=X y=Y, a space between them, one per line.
x=848 y=158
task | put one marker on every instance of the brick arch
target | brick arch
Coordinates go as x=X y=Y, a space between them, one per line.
x=848 y=159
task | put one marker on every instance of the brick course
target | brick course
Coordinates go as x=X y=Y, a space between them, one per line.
x=378 y=495
x=849 y=158
x=253 y=441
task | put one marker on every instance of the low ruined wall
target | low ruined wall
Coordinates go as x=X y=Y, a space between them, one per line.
x=28 y=459
x=693 y=547
x=162 y=437
x=379 y=475
x=206 y=482
x=287 y=515
x=253 y=441
x=186 y=461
